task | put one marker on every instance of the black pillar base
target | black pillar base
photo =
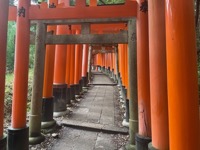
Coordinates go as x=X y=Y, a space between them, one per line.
x=18 y=139
x=100 y=68
x=84 y=81
x=47 y=109
x=87 y=80
x=76 y=86
x=150 y=147
x=124 y=91
x=112 y=74
x=127 y=110
x=3 y=143
x=103 y=69
x=59 y=93
x=48 y=123
x=119 y=77
x=142 y=142
x=72 y=92
x=109 y=71
x=68 y=102
x=114 y=77
x=80 y=87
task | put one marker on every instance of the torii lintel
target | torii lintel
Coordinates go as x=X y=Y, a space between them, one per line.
x=129 y=9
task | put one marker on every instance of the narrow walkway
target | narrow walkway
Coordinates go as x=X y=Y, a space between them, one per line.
x=95 y=121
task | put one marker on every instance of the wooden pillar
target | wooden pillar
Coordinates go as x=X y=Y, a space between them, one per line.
x=103 y=62
x=67 y=73
x=48 y=99
x=89 y=63
x=72 y=70
x=117 y=62
x=59 y=85
x=47 y=96
x=35 y=136
x=3 y=43
x=84 y=65
x=144 y=135
x=80 y=69
x=123 y=64
x=120 y=47
x=20 y=87
x=182 y=75
x=67 y=77
x=124 y=86
x=111 y=64
x=126 y=66
x=132 y=73
x=60 y=59
x=85 y=29
x=158 y=75
x=77 y=64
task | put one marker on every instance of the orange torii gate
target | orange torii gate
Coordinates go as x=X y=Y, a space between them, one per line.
x=177 y=43
x=32 y=13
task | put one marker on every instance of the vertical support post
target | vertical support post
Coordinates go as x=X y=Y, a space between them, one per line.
x=77 y=62
x=114 y=70
x=48 y=123
x=85 y=29
x=35 y=136
x=3 y=43
x=84 y=65
x=143 y=138
x=117 y=62
x=111 y=64
x=48 y=99
x=67 y=74
x=18 y=127
x=182 y=75
x=123 y=64
x=59 y=85
x=126 y=99
x=158 y=75
x=126 y=65
x=132 y=72
x=103 y=62
x=80 y=70
x=72 y=66
x=120 y=64
x=89 y=63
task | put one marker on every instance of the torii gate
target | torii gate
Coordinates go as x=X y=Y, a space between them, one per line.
x=179 y=69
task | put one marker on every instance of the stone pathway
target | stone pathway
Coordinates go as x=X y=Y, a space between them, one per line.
x=92 y=124
x=100 y=78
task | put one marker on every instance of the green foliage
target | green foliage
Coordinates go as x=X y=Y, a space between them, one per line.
x=103 y=2
x=9 y=93
x=32 y=49
x=100 y=2
x=10 y=46
x=12 y=2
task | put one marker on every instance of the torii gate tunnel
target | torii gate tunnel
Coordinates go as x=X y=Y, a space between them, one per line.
x=147 y=47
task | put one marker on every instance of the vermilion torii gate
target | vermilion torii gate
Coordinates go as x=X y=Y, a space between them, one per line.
x=179 y=77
